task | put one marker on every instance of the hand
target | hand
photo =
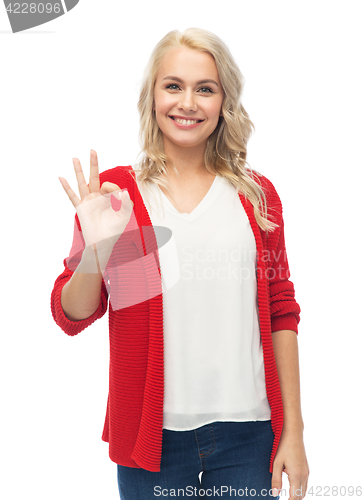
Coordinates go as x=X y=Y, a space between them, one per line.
x=291 y=459
x=99 y=221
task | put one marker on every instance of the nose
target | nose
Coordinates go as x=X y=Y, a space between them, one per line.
x=187 y=101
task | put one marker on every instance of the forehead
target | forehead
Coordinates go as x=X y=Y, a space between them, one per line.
x=187 y=64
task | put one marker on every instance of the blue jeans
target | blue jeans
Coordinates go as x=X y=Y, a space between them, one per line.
x=232 y=456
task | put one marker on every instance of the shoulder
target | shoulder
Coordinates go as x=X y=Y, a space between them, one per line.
x=265 y=184
x=274 y=204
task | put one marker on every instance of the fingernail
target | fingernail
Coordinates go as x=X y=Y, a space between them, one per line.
x=275 y=492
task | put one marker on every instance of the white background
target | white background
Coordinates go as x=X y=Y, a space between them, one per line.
x=72 y=85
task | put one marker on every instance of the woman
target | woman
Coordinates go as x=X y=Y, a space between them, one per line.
x=204 y=373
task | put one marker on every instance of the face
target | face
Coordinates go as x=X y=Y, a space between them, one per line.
x=187 y=98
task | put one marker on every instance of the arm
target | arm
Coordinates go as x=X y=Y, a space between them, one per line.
x=285 y=315
x=80 y=296
x=285 y=347
x=291 y=455
x=64 y=294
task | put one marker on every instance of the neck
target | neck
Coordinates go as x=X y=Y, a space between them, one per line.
x=189 y=162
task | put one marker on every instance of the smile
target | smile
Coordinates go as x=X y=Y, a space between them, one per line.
x=185 y=122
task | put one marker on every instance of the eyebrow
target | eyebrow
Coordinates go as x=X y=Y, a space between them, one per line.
x=181 y=81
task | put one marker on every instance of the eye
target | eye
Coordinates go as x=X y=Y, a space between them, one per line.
x=172 y=85
x=208 y=90
x=204 y=90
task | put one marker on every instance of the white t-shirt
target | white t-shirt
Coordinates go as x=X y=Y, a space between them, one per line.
x=213 y=358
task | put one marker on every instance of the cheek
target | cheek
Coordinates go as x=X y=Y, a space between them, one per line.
x=213 y=107
x=162 y=102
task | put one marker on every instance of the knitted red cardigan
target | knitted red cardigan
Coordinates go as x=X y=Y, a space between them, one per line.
x=134 y=415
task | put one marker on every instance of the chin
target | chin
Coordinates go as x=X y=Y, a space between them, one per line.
x=185 y=144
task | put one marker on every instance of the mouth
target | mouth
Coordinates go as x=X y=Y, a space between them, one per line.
x=185 y=121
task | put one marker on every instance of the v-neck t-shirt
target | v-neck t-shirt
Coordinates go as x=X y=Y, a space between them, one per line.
x=213 y=357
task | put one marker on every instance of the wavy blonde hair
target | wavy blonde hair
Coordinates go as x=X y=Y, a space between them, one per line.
x=226 y=151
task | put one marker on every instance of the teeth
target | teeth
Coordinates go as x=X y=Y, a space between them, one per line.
x=185 y=122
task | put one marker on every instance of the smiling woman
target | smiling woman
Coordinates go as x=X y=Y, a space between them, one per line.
x=204 y=374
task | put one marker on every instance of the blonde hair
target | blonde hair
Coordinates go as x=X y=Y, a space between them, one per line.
x=226 y=151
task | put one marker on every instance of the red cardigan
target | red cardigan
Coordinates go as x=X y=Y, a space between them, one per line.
x=134 y=416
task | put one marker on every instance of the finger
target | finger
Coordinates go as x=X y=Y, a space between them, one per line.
x=82 y=186
x=126 y=201
x=94 y=183
x=277 y=478
x=71 y=195
x=304 y=489
x=109 y=187
x=295 y=491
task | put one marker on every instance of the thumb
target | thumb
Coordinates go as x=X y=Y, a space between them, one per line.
x=277 y=478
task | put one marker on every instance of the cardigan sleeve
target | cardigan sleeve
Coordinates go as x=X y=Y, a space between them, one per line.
x=284 y=309
x=70 y=264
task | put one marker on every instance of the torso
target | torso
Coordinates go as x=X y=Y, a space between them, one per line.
x=188 y=194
